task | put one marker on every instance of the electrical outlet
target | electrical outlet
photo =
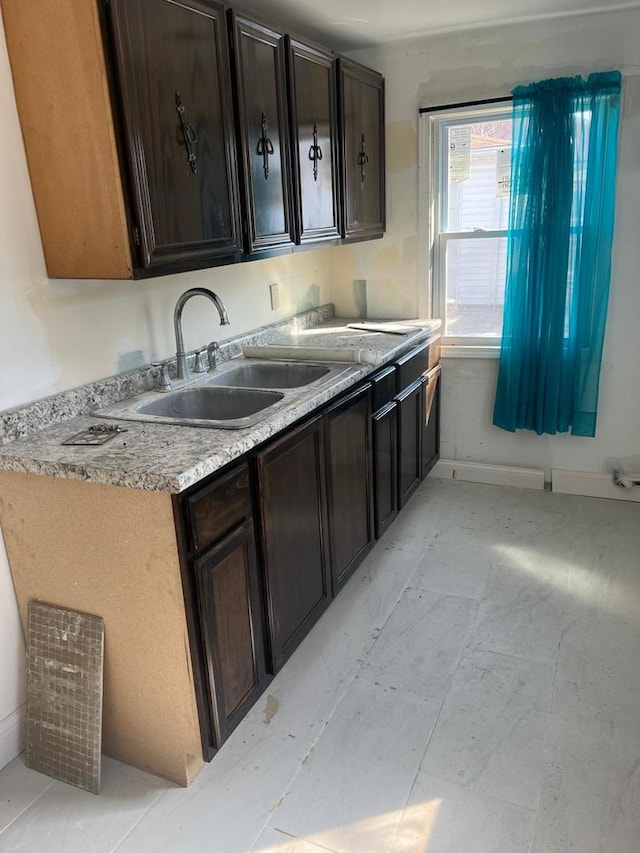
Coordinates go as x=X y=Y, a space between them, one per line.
x=274 y=292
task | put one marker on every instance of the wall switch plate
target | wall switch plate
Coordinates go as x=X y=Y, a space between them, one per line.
x=274 y=292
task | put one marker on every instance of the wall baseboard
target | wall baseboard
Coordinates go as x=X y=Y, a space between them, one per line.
x=495 y=475
x=12 y=735
x=590 y=485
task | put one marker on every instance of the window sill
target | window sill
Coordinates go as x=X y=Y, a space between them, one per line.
x=461 y=351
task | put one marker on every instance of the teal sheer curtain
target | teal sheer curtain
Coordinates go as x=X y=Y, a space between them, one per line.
x=563 y=168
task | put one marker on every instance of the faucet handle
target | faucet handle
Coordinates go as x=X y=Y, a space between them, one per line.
x=199 y=365
x=212 y=352
x=165 y=382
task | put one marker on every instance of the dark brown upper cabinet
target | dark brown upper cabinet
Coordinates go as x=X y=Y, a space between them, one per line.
x=175 y=84
x=361 y=103
x=314 y=132
x=159 y=133
x=263 y=134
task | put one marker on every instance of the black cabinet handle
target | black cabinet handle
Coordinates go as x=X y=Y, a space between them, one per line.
x=265 y=146
x=363 y=159
x=189 y=134
x=315 y=152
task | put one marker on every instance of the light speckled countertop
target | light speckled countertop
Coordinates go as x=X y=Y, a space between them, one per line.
x=170 y=458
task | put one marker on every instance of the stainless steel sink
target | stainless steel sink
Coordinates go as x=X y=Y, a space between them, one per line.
x=206 y=406
x=211 y=404
x=235 y=396
x=274 y=375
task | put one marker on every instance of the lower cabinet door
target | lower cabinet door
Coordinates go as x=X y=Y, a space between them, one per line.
x=293 y=536
x=410 y=421
x=431 y=420
x=348 y=430
x=385 y=467
x=229 y=600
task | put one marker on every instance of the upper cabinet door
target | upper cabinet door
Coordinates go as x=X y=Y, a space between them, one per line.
x=174 y=77
x=362 y=158
x=264 y=133
x=312 y=88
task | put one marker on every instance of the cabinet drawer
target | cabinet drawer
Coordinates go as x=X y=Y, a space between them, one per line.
x=384 y=388
x=412 y=365
x=212 y=512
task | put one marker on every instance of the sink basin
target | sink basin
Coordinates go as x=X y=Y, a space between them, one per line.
x=275 y=375
x=236 y=396
x=211 y=404
x=203 y=406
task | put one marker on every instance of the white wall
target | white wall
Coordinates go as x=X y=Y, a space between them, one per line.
x=55 y=335
x=484 y=64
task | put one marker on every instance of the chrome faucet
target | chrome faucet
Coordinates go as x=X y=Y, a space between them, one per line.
x=181 y=356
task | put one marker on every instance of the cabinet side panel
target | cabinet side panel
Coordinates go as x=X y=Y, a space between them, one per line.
x=58 y=66
x=112 y=552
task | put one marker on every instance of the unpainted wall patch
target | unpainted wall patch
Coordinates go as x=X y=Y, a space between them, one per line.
x=386 y=259
x=402 y=146
x=130 y=360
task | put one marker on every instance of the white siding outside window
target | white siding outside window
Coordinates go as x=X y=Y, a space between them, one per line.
x=466 y=217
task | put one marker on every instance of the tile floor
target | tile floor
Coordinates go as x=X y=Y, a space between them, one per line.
x=475 y=688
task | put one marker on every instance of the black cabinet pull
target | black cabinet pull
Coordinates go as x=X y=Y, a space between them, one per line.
x=315 y=152
x=189 y=134
x=265 y=147
x=363 y=159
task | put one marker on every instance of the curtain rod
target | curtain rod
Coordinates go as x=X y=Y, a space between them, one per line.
x=465 y=104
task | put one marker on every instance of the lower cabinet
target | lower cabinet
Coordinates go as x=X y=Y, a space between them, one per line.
x=349 y=484
x=291 y=488
x=385 y=466
x=410 y=427
x=317 y=497
x=230 y=608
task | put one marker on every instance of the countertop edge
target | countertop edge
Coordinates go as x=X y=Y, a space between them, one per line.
x=176 y=482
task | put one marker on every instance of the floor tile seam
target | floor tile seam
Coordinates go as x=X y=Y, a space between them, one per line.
x=415 y=778
x=379 y=628
x=441 y=594
x=331 y=714
x=29 y=806
x=468 y=648
x=475 y=789
x=439 y=698
x=401 y=691
x=299 y=838
x=311 y=746
x=530 y=660
x=138 y=821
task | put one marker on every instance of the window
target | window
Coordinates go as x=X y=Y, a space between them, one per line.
x=469 y=164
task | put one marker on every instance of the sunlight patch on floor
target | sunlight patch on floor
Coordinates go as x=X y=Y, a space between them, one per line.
x=407 y=830
x=528 y=560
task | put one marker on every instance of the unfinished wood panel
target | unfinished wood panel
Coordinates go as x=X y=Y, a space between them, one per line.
x=59 y=74
x=112 y=552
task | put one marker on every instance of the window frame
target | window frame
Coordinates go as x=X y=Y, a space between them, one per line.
x=432 y=176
